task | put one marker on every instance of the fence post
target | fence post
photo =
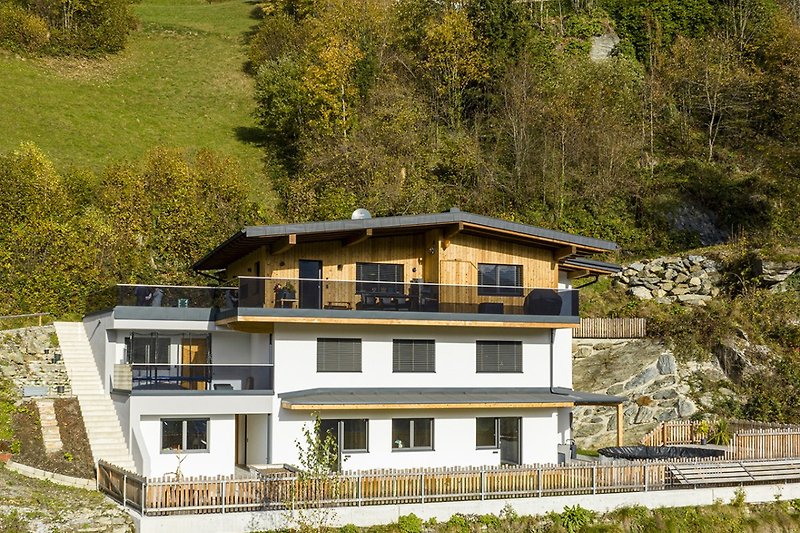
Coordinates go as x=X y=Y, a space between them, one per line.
x=223 y=496
x=594 y=478
x=358 y=489
x=539 y=480
x=644 y=473
x=483 y=484
x=144 y=497
x=422 y=486
x=124 y=490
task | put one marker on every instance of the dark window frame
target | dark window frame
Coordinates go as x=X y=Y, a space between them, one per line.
x=485 y=366
x=184 y=435
x=339 y=434
x=387 y=278
x=326 y=366
x=412 y=446
x=157 y=349
x=427 y=365
x=493 y=285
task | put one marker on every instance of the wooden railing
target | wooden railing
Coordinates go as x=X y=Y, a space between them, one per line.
x=161 y=496
x=673 y=432
x=748 y=439
x=611 y=328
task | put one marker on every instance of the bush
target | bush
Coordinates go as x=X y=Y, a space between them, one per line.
x=410 y=523
x=21 y=30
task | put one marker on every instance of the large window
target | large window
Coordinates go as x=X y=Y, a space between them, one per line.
x=338 y=355
x=499 y=280
x=498 y=356
x=350 y=435
x=184 y=435
x=413 y=355
x=379 y=278
x=412 y=433
x=147 y=349
x=496 y=431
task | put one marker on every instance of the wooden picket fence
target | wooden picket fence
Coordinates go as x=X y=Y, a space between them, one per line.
x=198 y=495
x=749 y=440
x=611 y=328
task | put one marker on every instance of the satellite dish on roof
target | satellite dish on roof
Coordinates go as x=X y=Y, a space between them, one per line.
x=360 y=214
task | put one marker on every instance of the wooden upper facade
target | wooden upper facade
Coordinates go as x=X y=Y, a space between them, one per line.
x=440 y=259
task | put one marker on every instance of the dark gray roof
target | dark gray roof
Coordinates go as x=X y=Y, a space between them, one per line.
x=592 y=264
x=406 y=396
x=252 y=237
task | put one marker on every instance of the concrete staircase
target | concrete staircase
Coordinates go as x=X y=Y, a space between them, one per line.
x=99 y=417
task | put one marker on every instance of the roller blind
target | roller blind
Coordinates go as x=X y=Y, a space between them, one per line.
x=414 y=355
x=338 y=355
x=499 y=356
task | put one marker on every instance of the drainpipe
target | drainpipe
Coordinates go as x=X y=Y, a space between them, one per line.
x=552 y=357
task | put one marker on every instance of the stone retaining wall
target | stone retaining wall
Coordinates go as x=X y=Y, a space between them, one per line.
x=28 y=358
x=689 y=280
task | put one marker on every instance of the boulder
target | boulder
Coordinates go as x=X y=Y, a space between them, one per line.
x=668 y=394
x=644 y=414
x=666 y=364
x=644 y=377
x=670 y=414
x=640 y=292
x=686 y=407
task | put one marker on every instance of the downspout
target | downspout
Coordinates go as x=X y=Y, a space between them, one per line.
x=552 y=358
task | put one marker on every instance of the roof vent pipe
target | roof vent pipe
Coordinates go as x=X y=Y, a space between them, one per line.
x=360 y=214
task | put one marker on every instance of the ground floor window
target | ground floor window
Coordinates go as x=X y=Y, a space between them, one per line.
x=350 y=435
x=412 y=433
x=502 y=433
x=184 y=435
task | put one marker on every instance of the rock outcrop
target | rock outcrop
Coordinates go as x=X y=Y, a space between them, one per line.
x=687 y=280
x=775 y=275
x=642 y=370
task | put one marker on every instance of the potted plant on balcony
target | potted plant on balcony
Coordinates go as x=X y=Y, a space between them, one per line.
x=284 y=293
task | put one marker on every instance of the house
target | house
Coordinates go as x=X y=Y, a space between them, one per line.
x=420 y=341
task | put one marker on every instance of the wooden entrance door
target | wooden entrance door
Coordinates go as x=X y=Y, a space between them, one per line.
x=195 y=352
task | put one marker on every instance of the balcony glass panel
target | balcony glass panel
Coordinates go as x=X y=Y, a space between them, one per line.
x=163 y=296
x=202 y=377
x=413 y=296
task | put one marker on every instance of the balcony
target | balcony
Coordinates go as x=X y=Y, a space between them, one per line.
x=287 y=299
x=162 y=301
x=207 y=378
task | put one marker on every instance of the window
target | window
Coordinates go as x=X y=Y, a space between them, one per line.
x=338 y=355
x=497 y=432
x=499 y=280
x=498 y=356
x=370 y=275
x=184 y=436
x=413 y=356
x=412 y=433
x=147 y=349
x=350 y=435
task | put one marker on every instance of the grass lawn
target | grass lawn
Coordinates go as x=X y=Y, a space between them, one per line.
x=179 y=83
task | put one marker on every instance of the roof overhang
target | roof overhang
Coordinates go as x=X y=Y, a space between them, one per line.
x=353 y=231
x=332 y=399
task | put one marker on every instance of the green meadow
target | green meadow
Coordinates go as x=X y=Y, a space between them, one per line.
x=180 y=83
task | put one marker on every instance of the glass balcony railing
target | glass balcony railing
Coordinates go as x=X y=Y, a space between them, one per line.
x=162 y=296
x=413 y=296
x=210 y=377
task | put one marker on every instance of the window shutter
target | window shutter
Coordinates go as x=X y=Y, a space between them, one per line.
x=414 y=356
x=498 y=356
x=338 y=355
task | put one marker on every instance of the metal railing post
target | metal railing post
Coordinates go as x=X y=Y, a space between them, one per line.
x=223 y=496
x=644 y=473
x=124 y=490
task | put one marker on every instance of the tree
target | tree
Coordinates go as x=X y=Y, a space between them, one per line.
x=454 y=63
x=317 y=479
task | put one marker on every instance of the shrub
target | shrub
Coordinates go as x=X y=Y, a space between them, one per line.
x=575 y=518
x=410 y=523
x=21 y=30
